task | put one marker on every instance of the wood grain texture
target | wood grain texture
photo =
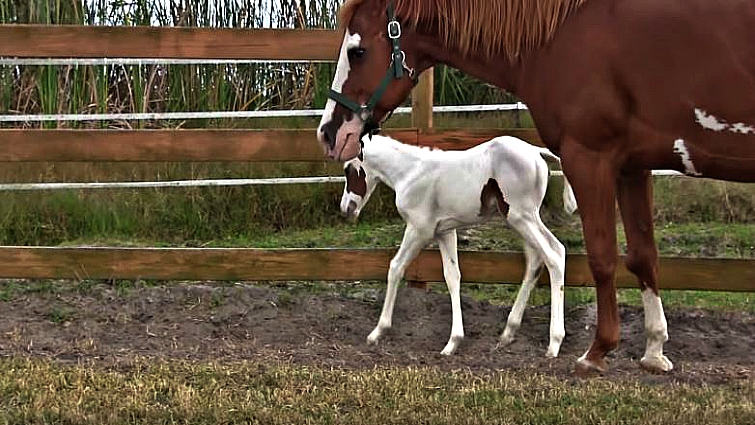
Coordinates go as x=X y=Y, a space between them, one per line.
x=459 y=139
x=164 y=145
x=422 y=102
x=338 y=264
x=66 y=41
x=206 y=144
x=716 y=274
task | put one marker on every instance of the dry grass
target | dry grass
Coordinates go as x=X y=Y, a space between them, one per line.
x=158 y=392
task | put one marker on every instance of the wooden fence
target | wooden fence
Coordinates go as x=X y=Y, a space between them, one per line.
x=32 y=41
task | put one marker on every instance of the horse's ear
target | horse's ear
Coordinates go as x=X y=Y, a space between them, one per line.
x=366 y=10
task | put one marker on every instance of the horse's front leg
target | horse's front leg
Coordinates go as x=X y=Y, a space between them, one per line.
x=411 y=245
x=593 y=178
x=635 y=195
x=447 y=242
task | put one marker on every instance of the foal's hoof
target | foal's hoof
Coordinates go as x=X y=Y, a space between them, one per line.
x=372 y=338
x=552 y=352
x=498 y=347
x=505 y=339
x=452 y=345
x=587 y=368
x=659 y=364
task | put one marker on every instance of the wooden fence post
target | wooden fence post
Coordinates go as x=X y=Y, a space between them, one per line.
x=422 y=102
x=414 y=277
x=422 y=118
x=416 y=284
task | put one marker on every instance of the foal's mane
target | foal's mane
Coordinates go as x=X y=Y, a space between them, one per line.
x=488 y=27
x=390 y=142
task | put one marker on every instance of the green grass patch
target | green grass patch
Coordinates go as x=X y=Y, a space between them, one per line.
x=158 y=392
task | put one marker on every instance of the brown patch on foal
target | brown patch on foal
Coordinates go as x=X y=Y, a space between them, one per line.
x=356 y=181
x=491 y=200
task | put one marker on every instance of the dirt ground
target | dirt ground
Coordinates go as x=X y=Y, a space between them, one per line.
x=244 y=321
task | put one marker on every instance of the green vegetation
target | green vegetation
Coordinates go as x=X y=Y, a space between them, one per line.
x=157 y=88
x=38 y=391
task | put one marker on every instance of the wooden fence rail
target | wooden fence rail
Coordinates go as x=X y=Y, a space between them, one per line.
x=337 y=265
x=207 y=144
x=73 y=41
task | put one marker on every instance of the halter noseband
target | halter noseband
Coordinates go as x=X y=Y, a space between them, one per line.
x=395 y=71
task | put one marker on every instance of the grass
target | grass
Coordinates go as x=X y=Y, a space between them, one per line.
x=158 y=392
x=291 y=214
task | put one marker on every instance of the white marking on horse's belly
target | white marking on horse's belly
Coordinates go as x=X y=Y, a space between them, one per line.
x=711 y=122
x=681 y=148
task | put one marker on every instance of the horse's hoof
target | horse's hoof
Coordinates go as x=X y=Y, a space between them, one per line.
x=552 y=352
x=504 y=340
x=452 y=345
x=372 y=339
x=659 y=364
x=586 y=368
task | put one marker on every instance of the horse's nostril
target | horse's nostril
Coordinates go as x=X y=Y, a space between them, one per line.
x=328 y=134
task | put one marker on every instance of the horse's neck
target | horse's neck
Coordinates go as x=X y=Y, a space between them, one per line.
x=389 y=162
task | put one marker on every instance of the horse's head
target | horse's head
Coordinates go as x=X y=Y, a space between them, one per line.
x=373 y=77
x=359 y=187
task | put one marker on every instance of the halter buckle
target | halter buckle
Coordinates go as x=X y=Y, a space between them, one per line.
x=394 y=29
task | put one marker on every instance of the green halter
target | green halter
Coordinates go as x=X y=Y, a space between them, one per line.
x=395 y=71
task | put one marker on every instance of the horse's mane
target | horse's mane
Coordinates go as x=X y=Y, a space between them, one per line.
x=489 y=27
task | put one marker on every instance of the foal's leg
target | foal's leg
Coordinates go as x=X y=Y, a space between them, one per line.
x=635 y=195
x=411 y=245
x=452 y=274
x=533 y=268
x=529 y=225
x=593 y=178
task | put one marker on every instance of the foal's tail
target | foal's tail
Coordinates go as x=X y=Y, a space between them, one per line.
x=570 y=202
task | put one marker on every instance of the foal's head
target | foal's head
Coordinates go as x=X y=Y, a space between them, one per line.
x=376 y=71
x=359 y=187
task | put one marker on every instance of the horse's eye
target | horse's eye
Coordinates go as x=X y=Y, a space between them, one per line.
x=356 y=52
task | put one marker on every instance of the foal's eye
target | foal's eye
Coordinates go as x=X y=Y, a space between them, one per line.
x=356 y=52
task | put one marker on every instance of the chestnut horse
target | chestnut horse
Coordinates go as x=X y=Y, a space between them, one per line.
x=616 y=88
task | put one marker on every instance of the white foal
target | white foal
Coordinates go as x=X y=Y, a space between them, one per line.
x=438 y=192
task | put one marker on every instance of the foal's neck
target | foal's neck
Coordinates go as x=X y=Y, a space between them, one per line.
x=390 y=160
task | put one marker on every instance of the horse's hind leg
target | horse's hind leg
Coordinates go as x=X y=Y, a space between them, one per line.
x=452 y=274
x=635 y=195
x=533 y=268
x=411 y=245
x=553 y=253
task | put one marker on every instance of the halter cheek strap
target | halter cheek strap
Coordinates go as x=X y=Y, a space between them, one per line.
x=395 y=72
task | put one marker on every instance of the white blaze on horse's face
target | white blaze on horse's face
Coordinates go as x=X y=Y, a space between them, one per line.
x=350 y=41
